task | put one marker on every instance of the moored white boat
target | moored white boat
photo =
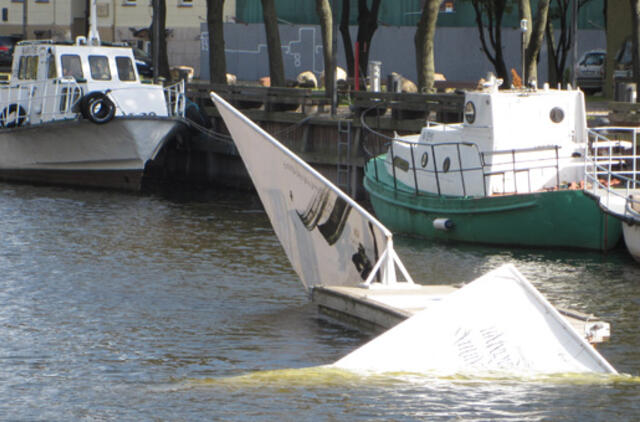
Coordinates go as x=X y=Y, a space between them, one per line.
x=613 y=177
x=509 y=174
x=78 y=113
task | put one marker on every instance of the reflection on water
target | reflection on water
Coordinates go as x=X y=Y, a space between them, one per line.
x=183 y=306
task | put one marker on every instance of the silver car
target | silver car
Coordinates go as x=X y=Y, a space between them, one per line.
x=590 y=71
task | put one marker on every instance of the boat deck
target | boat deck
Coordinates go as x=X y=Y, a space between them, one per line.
x=375 y=310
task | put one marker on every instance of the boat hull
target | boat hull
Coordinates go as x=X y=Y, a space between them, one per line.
x=632 y=239
x=559 y=219
x=81 y=153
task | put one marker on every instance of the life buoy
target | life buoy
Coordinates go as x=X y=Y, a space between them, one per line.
x=97 y=107
x=13 y=115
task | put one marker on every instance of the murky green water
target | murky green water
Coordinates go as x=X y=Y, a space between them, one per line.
x=183 y=307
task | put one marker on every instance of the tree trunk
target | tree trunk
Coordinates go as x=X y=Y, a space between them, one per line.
x=346 y=38
x=635 y=41
x=424 y=41
x=559 y=50
x=163 y=58
x=552 y=65
x=494 y=11
x=276 y=65
x=217 y=59
x=367 y=25
x=323 y=9
x=535 y=41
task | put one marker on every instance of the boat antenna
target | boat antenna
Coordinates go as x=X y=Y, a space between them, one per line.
x=93 y=38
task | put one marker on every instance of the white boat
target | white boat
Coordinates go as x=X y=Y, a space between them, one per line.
x=509 y=174
x=78 y=113
x=498 y=323
x=613 y=177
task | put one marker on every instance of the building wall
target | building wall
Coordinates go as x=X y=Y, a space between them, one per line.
x=457 y=51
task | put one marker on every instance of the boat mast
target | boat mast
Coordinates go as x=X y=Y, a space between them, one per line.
x=93 y=38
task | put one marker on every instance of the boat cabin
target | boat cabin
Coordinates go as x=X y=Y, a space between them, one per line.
x=49 y=81
x=510 y=141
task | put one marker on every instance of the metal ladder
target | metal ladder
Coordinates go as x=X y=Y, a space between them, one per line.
x=344 y=156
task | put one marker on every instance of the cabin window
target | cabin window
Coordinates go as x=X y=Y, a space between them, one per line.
x=125 y=69
x=556 y=115
x=71 y=66
x=470 y=112
x=28 y=67
x=401 y=163
x=424 y=160
x=99 y=66
x=51 y=73
x=446 y=164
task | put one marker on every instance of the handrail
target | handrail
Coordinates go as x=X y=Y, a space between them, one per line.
x=604 y=166
x=46 y=100
x=517 y=163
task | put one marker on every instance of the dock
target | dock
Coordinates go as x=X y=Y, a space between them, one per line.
x=375 y=310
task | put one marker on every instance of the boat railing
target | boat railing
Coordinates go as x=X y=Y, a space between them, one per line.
x=176 y=100
x=611 y=166
x=34 y=102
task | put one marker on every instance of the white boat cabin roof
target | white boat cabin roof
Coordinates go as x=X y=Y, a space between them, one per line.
x=97 y=65
x=516 y=119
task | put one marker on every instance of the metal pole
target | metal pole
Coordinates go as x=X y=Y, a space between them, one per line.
x=24 y=18
x=334 y=61
x=574 y=30
x=523 y=29
x=156 y=40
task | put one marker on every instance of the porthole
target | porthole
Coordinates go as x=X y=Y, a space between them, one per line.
x=556 y=115
x=424 y=160
x=401 y=164
x=446 y=164
x=470 y=112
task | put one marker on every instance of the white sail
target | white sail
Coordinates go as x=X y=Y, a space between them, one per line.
x=498 y=323
x=328 y=238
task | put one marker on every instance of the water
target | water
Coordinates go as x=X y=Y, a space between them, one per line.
x=184 y=307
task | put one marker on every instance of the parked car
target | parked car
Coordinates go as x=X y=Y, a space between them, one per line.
x=7 y=42
x=143 y=63
x=590 y=71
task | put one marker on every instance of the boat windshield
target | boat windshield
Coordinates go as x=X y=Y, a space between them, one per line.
x=72 y=66
x=125 y=69
x=99 y=66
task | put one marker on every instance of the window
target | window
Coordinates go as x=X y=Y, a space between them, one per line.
x=72 y=66
x=125 y=69
x=185 y=3
x=51 y=73
x=99 y=66
x=128 y=2
x=28 y=68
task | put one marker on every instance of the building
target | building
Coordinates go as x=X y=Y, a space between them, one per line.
x=118 y=20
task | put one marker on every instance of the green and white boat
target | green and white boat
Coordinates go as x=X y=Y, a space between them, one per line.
x=511 y=174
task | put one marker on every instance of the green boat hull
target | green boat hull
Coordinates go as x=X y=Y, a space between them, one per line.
x=558 y=219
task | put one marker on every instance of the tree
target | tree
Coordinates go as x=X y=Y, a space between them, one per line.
x=367 y=26
x=635 y=40
x=217 y=59
x=160 y=18
x=276 y=65
x=424 y=41
x=534 y=36
x=558 y=50
x=323 y=9
x=346 y=37
x=492 y=11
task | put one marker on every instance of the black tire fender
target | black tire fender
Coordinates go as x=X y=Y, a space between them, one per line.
x=21 y=116
x=97 y=107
